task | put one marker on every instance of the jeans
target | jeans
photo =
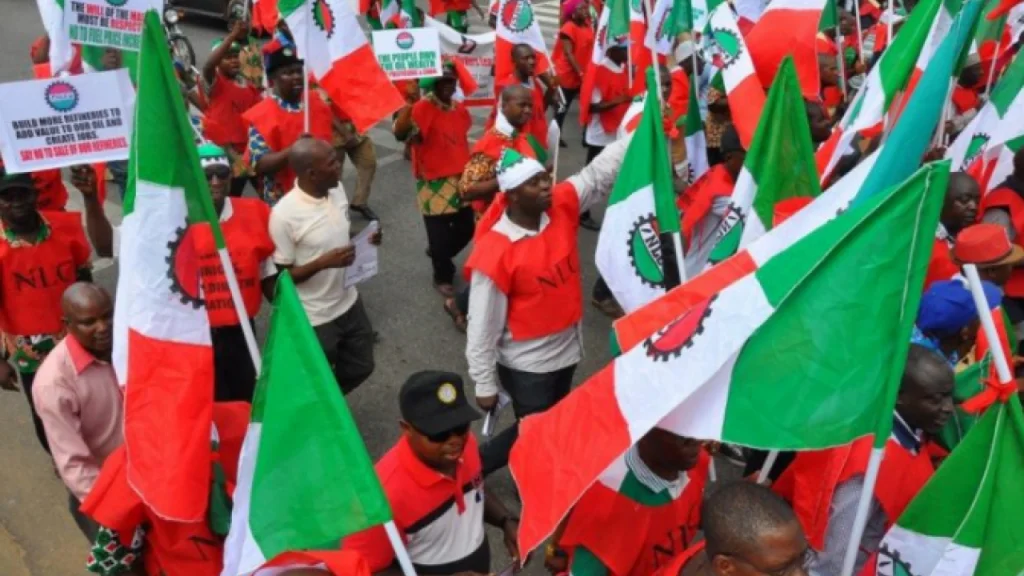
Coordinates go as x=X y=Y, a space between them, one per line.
x=348 y=344
x=531 y=393
x=364 y=157
x=447 y=235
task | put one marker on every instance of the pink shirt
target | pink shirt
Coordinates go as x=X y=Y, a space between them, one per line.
x=81 y=406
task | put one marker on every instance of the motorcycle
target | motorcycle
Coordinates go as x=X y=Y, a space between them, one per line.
x=179 y=44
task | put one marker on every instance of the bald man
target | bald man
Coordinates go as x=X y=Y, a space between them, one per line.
x=77 y=396
x=310 y=229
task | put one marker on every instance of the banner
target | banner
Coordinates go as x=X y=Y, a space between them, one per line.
x=408 y=53
x=65 y=121
x=114 y=23
x=476 y=52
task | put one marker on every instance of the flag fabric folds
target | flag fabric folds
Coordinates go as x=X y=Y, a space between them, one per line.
x=769 y=45
x=742 y=87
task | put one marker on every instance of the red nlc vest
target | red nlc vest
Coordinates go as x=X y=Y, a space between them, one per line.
x=810 y=482
x=612 y=85
x=540 y=275
x=33 y=278
x=248 y=242
x=634 y=539
x=281 y=128
x=223 y=122
x=491 y=144
x=1008 y=199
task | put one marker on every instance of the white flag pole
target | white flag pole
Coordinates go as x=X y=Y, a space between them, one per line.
x=554 y=137
x=987 y=325
x=860 y=31
x=861 y=518
x=766 y=468
x=400 y=552
x=305 y=72
x=243 y=314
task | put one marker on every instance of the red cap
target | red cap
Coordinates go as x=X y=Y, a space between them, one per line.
x=788 y=207
x=986 y=245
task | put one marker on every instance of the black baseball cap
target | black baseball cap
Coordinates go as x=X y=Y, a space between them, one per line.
x=433 y=402
x=16 y=181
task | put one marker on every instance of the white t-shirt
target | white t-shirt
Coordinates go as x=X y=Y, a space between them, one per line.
x=304 y=228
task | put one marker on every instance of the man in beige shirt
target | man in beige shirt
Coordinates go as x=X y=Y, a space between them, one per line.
x=77 y=396
x=310 y=229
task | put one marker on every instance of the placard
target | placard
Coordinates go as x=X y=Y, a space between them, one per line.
x=65 y=121
x=475 y=52
x=408 y=53
x=114 y=23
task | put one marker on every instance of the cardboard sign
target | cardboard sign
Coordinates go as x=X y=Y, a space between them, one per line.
x=475 y=52
x=408 y=53
x=65 y=121
x=114 y=23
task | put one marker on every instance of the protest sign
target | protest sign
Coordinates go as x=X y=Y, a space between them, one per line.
x=114 y=23
x=475 y=52
x=408 y=53
x=64 y=121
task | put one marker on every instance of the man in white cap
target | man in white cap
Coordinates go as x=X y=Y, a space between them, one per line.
x=526 y=289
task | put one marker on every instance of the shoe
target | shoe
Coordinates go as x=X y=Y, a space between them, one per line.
x=364 y=211
x=589 y=223
x=445 y=289
x=609 y=307
x=562 y=144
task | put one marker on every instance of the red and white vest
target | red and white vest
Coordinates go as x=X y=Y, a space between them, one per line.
x=281 y=128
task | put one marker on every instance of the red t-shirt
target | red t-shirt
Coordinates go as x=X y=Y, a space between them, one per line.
x=223 y=122
x=444 y=150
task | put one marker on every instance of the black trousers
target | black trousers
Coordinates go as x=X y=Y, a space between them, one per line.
x=570 y=95
x=348 y=344
x=592 y=152
x=88 y=527
x=447 y=235
x=234 y=372
x=26 y=385
x=601 y=292
x=531 y=393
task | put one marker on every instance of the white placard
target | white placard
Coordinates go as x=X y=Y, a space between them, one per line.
x=65 y=121
x=364 y=266
x=408 y=53
x=114 y=23
x=475 y=52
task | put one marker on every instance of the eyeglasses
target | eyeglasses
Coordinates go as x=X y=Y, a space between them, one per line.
x=803 y=561
x=443 y=436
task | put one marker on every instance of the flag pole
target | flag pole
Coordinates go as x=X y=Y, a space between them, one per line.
x=841 y=60
x=243 y=314
x=305 y=73
x=766 y=468
x=400 y=552
x=860 y=520
x=991 y=72
x=860 y=31
x=987 y=325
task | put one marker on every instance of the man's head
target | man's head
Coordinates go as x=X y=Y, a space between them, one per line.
x=947 y=315
x=752 y=531
x=443 y=87
x=847 y=23
x=988 y=247
x=230 y=64
x=315 y=164
x=517 y=105
x=925 y=400
x=818 y=121
x=89 y=316
x=284 y=69
x=970 y=74
x=960 y=209
x=618 y=52
x=664 y=451
x=18 y=201
x=111 y=59
x=524 y=59
x=525 y=182
x=217 y=167
x=732 y=151
x=39 y=52
x=828 y=70
x=435 y=417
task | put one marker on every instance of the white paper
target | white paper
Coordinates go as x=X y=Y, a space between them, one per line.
x=364 y=266
x=114 y=23
x=64 y=121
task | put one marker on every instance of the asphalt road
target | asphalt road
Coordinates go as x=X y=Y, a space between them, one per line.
x=37 y=535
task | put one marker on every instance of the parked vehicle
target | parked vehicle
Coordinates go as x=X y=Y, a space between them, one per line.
x=180 y=45
x=220 y=9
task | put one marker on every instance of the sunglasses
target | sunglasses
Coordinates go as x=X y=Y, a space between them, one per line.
x=221 y=173
x=443 y=436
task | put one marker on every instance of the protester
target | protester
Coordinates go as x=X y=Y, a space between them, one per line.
x=832 y=99
x=988 y=247
x=608 y=100
x=947 y=319
x=77 y=396
x=641 y=511
x=310 y=230
x=276 y=123
x=748 y=531
x=360 y=150
x=572 y=53
x=525 y=299
x=457 y=13
x=438 y=129
x=959 y=210
x=41 y=255
x=434 y=483
x=717 y=122
x=826 y=505
x=524 y=73
x=229 y=94
x=965 y=97
x=679 y=98
x=1004 y=206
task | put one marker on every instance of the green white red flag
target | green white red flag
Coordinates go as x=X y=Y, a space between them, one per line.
x=715 y=367
x=305 y=479
x=742 y=87
x=788 y=28
x=696 y=144
x=162 y=350
x=779 y=165
x=966 y=520
x=517 y=24
x=328 y=37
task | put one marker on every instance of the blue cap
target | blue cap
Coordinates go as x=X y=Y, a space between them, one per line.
x=947 y=307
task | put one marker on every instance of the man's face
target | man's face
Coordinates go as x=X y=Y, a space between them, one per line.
x=230 y=65
x=111 y=59
x=517 y=110
x=779 y=552
x=618 y=55
x=92 y=324
x=219 y=178
x=998 y=275
x=18 y=206
x=288 y=82
x=927 y=405
x=525 y=61
x=325 y=171
x=828 y=71
x=970 y=76
x=438 y=451
x=821 y=129
x=960 y=208
x=444 y=89
x=847 y=25
x=534 y=195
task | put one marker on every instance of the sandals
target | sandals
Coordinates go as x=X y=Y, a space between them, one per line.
x=458 y=318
